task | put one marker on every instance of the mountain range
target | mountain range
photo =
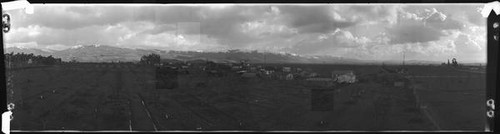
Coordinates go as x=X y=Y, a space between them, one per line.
x=105 y=53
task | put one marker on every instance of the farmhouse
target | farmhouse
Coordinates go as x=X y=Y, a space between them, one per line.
x=344 y=76
x=287 y=69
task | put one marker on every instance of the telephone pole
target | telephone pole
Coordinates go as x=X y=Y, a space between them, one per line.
x=404 y=56
x=265 y=59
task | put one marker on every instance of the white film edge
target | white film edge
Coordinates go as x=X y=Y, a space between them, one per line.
x=495 y=6
x=19 y=4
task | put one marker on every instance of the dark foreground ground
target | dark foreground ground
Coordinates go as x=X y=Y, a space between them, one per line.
x=97 y=97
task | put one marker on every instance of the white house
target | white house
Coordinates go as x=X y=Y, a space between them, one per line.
x=344 y=76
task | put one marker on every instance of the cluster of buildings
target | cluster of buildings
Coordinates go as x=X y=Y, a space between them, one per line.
x=246 y=70
x=277 y=72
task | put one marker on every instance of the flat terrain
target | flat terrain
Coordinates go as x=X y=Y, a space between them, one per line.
x=455 y=100
x=92 y=97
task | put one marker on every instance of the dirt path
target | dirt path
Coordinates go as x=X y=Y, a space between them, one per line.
x=139 y=117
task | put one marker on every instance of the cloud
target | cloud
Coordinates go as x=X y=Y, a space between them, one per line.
x=435 y=16
x=72 y=17
x=413 y=33
x=157 y=29
x=339 y=39
x=108 y=35
x=439 y=20
x=56 y=47
x=422 y=26
x=464 y=44
x=314 y=19
x=469 y=49
x=372 y=13
x=23 y=45
x=363 y=31
x=464 y=13
x=221 y=24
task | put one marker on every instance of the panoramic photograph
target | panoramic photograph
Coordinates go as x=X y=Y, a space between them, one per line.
x=246 y=67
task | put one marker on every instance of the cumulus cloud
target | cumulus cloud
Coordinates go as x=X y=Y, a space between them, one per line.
x=72 y=17
x=413 y=33
x=358 y=31
x=314 y=19
x=338 y=39
x=371 y=13
x=465 y=44
x=439 y=20
x=424 y=26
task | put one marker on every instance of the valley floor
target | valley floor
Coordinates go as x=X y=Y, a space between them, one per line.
x=123 y=97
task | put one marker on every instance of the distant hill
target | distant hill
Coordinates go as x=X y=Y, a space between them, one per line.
x=99 y=53
x=104 y=53
x=28 y=51
x=410 y=62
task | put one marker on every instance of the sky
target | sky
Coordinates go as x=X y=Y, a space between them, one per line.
x=433 y=32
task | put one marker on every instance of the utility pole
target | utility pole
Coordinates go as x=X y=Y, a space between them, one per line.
x=265 y=59
x=176 y=33
x=404 y=59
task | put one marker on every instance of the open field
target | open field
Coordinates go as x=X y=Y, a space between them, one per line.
x=456 y=102
x=94 y=97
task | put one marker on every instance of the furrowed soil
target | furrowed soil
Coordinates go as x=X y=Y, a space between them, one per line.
x=93 y=97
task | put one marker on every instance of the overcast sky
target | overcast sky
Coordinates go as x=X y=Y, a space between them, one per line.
x=375 y=32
